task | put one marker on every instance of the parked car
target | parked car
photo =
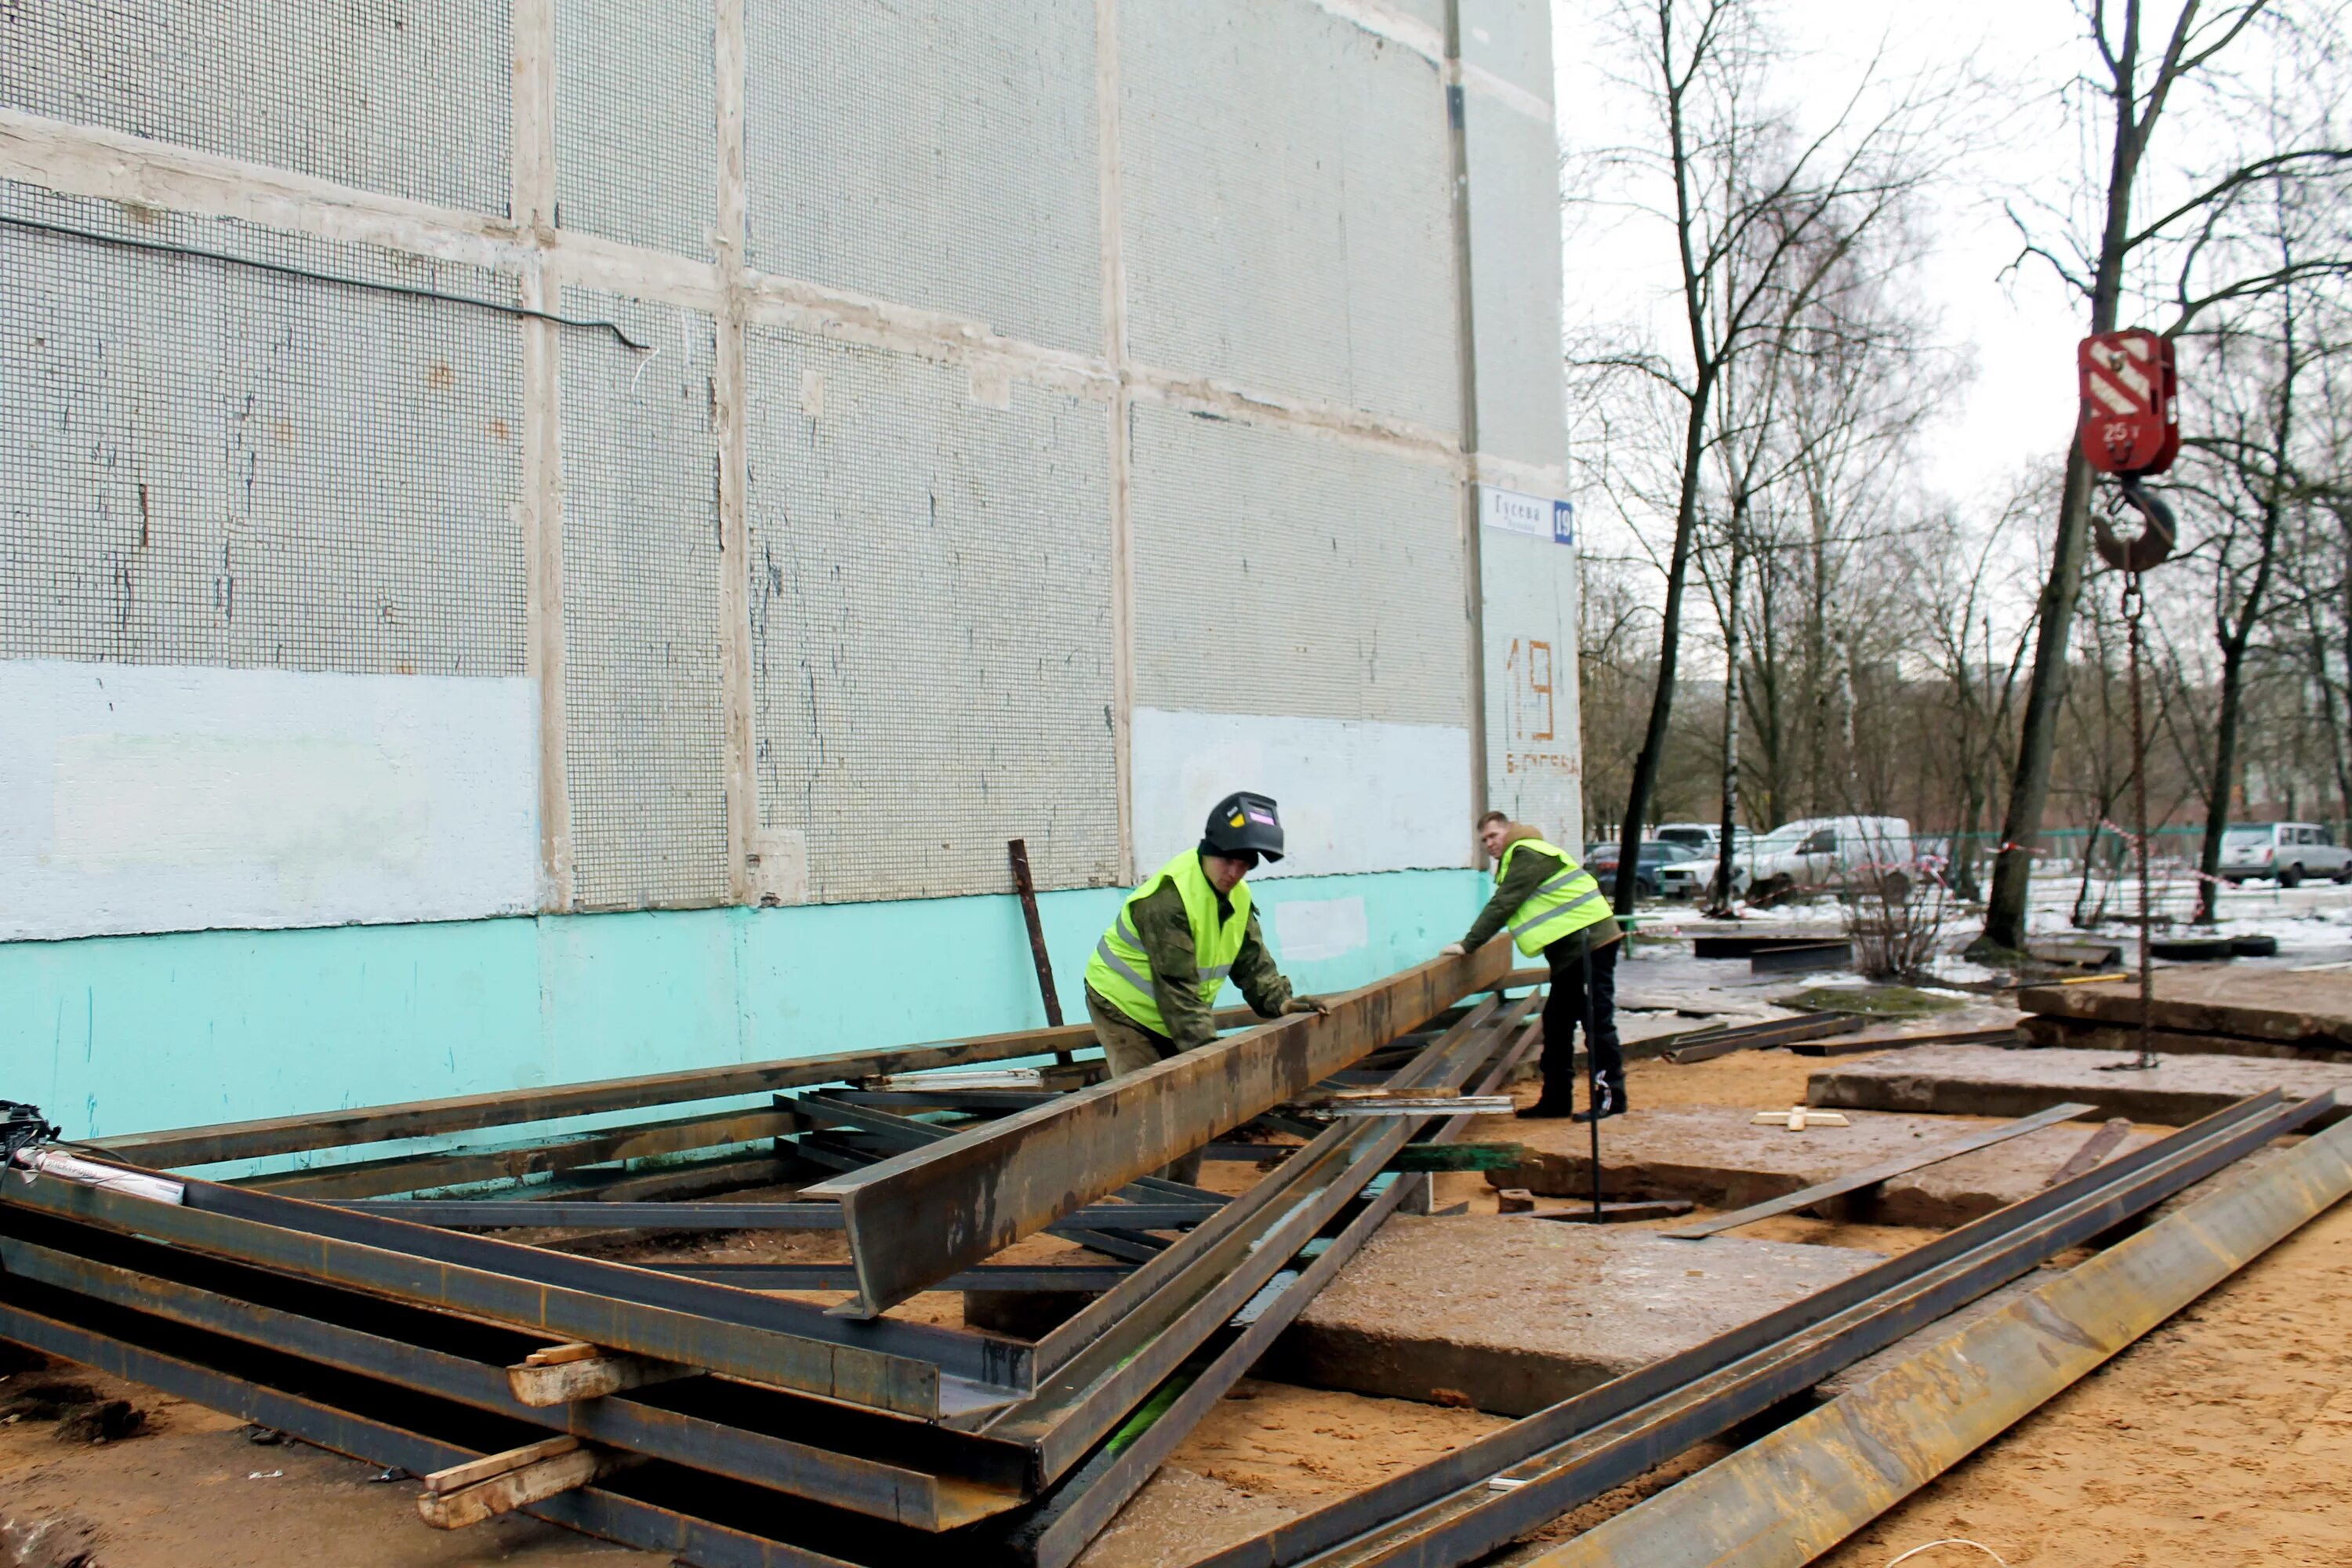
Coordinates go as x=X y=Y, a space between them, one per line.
x=1698 y=838
x=1691 y=879
x=2287 y=851
x=1602 y=860
x=1833 y=852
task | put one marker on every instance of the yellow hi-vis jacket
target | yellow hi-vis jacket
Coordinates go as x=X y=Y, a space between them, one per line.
x=1120 y=972
x=1568 y=903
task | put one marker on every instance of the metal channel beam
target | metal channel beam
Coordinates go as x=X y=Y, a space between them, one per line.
x=916 y=1498
x=1786 y=1499
x=464 y=1114
x=1885 y=1170
x=1076 y=1277
x=649 y=1314
x=1705 y=1045
x=1444 y=1512
x=598 y=1510
x=922 y=1215
x=513 y=1162
x=492 y=1213
x=1101 y=1386
x=1069 y=1518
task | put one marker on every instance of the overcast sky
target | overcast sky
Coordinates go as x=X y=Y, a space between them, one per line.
x=2018 y=330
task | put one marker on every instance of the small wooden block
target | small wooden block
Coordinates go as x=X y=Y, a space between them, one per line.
x=1515 y=1200
x=1797 y=1118
x=540 y=1384
x=518 y=1487
x=473 y=1472
x=557 y=1355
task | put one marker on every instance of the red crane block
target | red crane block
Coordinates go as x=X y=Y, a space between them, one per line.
x=2131 y=423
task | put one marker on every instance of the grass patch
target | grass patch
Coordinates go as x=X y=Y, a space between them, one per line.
x=1871 y=1001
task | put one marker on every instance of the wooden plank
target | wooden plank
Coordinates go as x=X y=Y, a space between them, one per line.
x=540 y=1383
x=457 y=1478
x=919 y=1217
x=518 y=1487
x=2251 y=1004
x=1871 y=1175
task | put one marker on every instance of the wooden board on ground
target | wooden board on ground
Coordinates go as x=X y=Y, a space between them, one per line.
x=2251 y=1004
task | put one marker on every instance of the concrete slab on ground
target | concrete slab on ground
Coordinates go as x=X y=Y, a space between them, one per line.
x=2073 y=1034
x=1718 y=1158
x=1510 y=1313
x=2216 y=999
x=1988 y=1080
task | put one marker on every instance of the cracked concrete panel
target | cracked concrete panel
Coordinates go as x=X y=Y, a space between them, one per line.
x=644 y=739
x=1278 y=573
x=1280 y=144
x=930 y=623
x=1515 y=280
x=411 y=99
x=203 y=463
x=931 y=153
x=636 y=115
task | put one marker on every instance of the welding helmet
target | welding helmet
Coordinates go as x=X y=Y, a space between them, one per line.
x=1243 y=821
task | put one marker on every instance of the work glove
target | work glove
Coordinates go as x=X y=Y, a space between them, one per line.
x=1453 y=950
x=1314 y=1004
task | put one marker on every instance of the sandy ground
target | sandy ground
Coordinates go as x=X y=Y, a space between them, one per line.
x=2224 y=1438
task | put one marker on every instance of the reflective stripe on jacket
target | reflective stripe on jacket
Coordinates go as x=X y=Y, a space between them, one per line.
x=1561 y=906
x=1121 y=970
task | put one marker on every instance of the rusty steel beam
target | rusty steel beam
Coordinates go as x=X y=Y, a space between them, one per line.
x=922 y=1215
x=465 y=1113
x=1786 y=1498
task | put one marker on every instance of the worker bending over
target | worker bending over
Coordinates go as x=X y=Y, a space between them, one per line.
x=1153 y=984
x=1553 y=907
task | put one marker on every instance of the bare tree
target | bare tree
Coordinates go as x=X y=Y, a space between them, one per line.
x=2096 y=253
x=1760 y=214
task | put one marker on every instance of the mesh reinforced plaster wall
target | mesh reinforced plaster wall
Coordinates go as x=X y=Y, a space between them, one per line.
x=801 y=438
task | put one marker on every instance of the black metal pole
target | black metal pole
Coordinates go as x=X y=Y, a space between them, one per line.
x=1593 y=1088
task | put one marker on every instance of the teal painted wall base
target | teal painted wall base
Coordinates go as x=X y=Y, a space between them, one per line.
x=129 y=1034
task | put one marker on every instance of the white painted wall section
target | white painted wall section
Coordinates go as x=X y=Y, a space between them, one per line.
x=158 y=797
x=1305 y=931
x=1355 y=796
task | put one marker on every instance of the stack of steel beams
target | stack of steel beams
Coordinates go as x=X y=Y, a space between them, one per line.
x=353 y=1303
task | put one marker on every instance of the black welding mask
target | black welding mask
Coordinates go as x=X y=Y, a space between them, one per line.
x=1243 y=821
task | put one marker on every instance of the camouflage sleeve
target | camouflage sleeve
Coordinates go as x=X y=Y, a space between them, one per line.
x=1262 y=985
x=1529 y=871
x=1167 y=936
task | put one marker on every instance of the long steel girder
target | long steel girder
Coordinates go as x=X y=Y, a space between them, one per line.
x=1449 y=1512
x=926 y=1213
x=1784 y=1500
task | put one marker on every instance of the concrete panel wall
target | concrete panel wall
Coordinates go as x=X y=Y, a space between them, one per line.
x=1534 y=764
x=933 y=152
x=1271 y=141
x=1279 y=574
x=644 y=724
x=410 y=99
x=1515 y=272
x=932 y=604
x=207 y=463
x=637 y=122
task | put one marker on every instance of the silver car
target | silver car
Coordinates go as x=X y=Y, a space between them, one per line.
x=2285 y=852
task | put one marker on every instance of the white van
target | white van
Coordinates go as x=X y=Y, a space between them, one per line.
x=1833 y=853
x=2288 y=851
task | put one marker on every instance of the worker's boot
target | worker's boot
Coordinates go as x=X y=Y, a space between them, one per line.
x=1547 y=1108
x=1608 y=1099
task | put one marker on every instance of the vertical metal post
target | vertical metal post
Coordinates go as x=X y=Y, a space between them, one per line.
x=2134 y=605
x=1592 y=1078
x=1016 y=850
x=1467 y=354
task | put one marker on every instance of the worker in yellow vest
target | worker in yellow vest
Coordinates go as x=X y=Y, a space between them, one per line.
x=1153 y=984
x=1553 y=906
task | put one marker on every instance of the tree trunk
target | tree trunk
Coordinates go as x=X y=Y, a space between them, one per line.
x=1726 y=857
x=1647 y=766
x=2225 y=769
